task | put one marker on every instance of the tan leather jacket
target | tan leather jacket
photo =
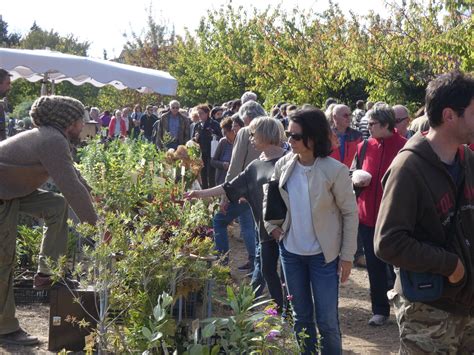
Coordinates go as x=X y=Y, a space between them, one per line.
x=333 y=205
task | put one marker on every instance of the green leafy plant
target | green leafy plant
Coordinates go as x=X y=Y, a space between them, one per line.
x=28 y=245
x=251 y=329
x=162 y=327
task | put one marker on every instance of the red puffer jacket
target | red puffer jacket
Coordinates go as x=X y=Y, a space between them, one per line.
x=353 y=138
x=378 y=157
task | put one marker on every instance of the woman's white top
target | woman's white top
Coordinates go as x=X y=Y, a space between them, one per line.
x=301 y=239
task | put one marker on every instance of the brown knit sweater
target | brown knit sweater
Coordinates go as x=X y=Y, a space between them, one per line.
x=29 y=158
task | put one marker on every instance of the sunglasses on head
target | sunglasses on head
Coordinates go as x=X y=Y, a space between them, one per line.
x=294 y=136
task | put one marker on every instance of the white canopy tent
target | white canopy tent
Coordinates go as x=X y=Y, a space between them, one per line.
x=35 y=65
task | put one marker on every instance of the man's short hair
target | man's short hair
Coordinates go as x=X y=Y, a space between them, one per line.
x=248 y=96
x=384 y=114
x=329 y=101
x=175 y=102
x=251 y=109
x=360 y=104
x=3 y=75
x=454 y=90
x=237 y=120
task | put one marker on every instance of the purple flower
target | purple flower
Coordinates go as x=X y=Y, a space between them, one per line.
x=271 y=312
x=273 y=334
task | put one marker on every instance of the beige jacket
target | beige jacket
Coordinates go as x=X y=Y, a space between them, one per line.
x=333 y=205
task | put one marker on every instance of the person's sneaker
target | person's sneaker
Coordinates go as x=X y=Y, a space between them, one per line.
x=19 y=337
x=247 y=266
x=45 y=282
x=378 y=320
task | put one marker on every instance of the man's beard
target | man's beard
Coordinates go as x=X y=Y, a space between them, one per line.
x=75 y=140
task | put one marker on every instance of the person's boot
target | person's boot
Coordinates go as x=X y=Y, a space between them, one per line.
x=246 y=267
x=18 y=337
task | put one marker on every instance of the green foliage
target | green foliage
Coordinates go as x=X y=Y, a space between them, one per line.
x=249 y=330
x=7 y=39
x=306 y=56
x=162 y=327
x=28 y=244
x=293 y=56
x=38 y=38
x=22 y=110
x=155 y=241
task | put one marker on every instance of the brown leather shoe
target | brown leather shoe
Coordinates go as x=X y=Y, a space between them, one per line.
x=45 y=282
x=19 y=337
x=361 y=262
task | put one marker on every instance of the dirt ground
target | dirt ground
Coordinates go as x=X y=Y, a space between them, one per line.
x=354 y=313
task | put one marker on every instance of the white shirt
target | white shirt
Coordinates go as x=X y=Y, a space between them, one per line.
x=301 y=239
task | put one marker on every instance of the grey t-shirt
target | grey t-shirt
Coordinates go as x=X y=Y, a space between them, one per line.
x=249 y=184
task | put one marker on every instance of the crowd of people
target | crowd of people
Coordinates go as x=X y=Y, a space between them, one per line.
x=377 y=186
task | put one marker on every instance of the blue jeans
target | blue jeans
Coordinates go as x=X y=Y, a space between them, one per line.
x=378 y=273
x=314 y=286
x=247 y=227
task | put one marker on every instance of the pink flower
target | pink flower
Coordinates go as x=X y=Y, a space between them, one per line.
x=271 y=312
x=289 y=298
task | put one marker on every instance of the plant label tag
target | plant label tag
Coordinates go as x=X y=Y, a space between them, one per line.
x=56 y=321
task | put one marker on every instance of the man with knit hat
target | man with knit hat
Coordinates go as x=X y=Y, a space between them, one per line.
x=27 y=160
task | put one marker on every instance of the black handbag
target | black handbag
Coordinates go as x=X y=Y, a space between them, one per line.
x=275 y=208
x=427 y=286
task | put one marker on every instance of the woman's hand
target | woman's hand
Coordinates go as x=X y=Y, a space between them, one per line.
x=344 y=270
x=189 y=195
x=276 y=233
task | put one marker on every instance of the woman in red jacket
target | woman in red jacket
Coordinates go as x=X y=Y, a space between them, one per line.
x=117 y=126
x=382 y=148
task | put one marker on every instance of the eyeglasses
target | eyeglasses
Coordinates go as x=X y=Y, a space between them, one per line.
x=174 y=107
x=400 y=120
x=370 y=124
x=294 y=136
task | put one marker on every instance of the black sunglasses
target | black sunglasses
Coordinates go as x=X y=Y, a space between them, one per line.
x=294 y=136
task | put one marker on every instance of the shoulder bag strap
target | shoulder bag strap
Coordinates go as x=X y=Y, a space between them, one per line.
x=361 y=157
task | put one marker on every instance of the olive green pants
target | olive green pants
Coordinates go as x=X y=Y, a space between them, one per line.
x=52 y=208
x=428 y=330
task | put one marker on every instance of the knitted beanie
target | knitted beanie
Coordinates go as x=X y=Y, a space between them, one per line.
x=59 y=111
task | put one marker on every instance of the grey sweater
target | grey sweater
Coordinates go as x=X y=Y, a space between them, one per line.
x=29 y=158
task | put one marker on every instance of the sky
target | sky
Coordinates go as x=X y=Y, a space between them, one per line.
x=103 y=22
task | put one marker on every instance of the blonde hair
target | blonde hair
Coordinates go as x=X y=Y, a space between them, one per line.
x=268 y=130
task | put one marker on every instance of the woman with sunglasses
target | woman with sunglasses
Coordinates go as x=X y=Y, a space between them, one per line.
x=382 y=147
x=266 y=135
x=318 y=236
